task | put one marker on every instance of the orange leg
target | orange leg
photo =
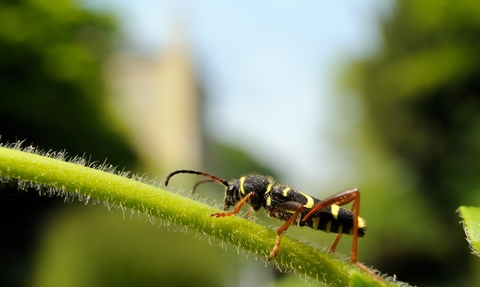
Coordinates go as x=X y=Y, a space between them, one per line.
x=337 y=238
x=249 y=212
x=343 y=198
x=237 y=208
x=290 y=205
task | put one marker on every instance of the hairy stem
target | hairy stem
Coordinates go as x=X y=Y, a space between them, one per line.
x=51 y=173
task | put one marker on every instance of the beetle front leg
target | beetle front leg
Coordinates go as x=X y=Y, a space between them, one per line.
x=237 y=208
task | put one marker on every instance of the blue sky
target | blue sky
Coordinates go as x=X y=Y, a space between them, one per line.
x=270 y=68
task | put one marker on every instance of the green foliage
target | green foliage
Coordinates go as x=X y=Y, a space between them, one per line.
x=51 y=77
x=421 y=127
x=219 y=158
x=421 y=95
x=53 y=94
x=72 y=179
x=471 y=223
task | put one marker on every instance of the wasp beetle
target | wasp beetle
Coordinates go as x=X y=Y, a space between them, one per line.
x=292 y=206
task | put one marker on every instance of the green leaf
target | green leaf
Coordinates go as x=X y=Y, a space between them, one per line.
x=471 y=225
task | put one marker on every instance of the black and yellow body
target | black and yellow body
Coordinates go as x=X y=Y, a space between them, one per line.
x=266 y=194
x=292 y=207
x=332 y=218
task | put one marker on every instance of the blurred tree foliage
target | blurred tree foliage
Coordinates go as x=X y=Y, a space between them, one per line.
x=52 y=88
x=421 y=96
x=230 y=162
x=52 y=95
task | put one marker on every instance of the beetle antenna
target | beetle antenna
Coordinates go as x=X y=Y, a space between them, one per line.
x=213 y=178
x=200 y=182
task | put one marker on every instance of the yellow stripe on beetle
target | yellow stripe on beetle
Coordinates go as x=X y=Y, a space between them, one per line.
x=269 y=187
x=310 y=201
x=335 y=209
x=242 y=181
x=361 y=222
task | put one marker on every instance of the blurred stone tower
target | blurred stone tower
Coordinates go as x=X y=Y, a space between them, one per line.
x=159 y=100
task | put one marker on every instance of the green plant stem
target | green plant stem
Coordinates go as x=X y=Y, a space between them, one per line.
x=59 y=177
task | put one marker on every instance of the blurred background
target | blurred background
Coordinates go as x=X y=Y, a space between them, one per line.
x=324 y=96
